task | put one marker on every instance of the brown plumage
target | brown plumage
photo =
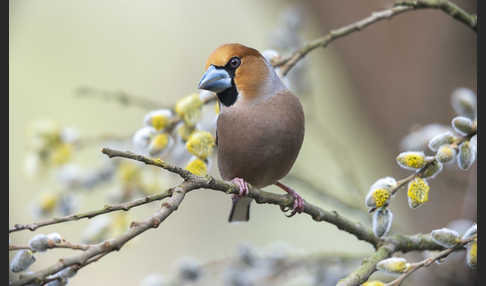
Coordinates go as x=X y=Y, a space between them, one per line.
x=260 y=128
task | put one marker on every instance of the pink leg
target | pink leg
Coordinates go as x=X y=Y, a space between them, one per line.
x=298 y=206
x=243 y=187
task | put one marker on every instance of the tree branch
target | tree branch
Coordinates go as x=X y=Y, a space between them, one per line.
x=447 y=7
x=457 y=13
x=261 y=197
x=385 y=247
x=108 y=246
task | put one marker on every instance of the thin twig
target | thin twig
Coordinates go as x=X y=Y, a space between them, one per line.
x=426 y=262
x=287 y=63
x=447 y=7
x=118 y=96
x=62 y=244
x=106 y=209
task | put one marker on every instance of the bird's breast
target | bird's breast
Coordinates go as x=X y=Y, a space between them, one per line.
x=260 y=142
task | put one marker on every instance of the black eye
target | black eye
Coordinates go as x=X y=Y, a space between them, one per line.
x=234 y=62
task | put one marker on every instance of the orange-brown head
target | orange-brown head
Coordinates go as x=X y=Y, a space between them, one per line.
x=233 y=70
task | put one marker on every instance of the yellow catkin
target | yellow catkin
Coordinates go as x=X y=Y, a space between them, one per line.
x=197 y=167
x=381 y=196
x=412 y=159
x=393 y=265
x=119 y=224
x=418 y=191
x=472 y=253
x=160 y=141
x=61 y=154
x=48 y=202
x=159 y=121
x=129 y=173
x=445 y=153
x=373 y=283
x=200 y=144
x=189 y=108
x=184 y=131
x=398 y=266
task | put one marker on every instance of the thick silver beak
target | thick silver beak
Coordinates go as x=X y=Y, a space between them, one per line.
x=215 y=80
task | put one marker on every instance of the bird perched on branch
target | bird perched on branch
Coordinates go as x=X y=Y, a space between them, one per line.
x=260 y=128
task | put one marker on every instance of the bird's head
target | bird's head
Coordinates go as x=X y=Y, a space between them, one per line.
x=234 y=70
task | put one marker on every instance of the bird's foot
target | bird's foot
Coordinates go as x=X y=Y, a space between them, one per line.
x=298 y=206
x=243 y=187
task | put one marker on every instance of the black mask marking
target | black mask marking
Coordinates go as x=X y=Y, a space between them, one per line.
x=228 y=96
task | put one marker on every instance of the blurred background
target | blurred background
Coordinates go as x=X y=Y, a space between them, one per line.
x=362 y=95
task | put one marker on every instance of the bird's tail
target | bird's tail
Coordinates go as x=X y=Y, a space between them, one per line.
x=240 y=211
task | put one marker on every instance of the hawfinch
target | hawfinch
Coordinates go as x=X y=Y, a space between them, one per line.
x=260 y=128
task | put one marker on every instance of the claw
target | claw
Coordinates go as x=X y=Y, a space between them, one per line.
x=298 y=205
x=243 y=187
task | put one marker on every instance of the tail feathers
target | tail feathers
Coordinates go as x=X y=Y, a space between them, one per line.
x=240 y=211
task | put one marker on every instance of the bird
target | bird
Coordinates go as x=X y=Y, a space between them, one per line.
x=260 y=127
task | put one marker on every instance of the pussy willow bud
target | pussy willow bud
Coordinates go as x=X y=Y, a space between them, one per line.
x=184 y=131
x=270 y=55
x=382 y=221
x=418 y=192
x=201 y=144
x=189 y=269
x=61 y=154
x=57 y=282
x=159 y=143
x=433 y=168
x=66 y=273
x=411 y=160
x=247 y=255
x=158 y=119
x=141 y=139
x=48 y=201
x=373 y=283
x=446 y=237
x=197 y=166
x=155 y=280
x=474 y=142
x=441 y=139
x=97 y=230
x=472 y=231
x=394 y=265
x=22 y=260
x=54 y=237
x=419 y=138
x=463 y=125
x=472 y=254
x=39 y=242
x=466 y=156
x=446 y=154
x=189 y=109
x=380 y=192
x=464 y=102
x=377 y=197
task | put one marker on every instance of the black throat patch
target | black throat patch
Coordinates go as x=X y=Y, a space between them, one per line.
x=228 y=96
